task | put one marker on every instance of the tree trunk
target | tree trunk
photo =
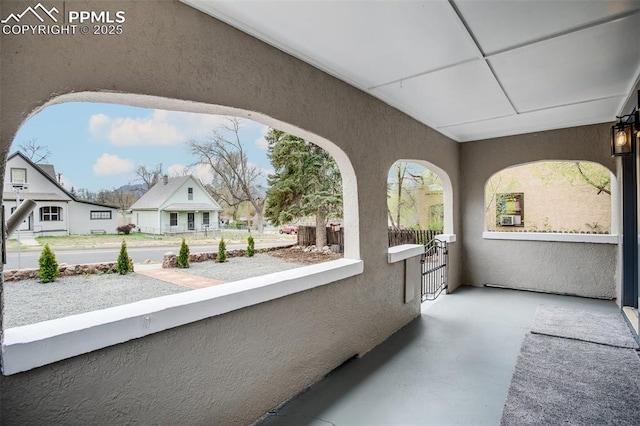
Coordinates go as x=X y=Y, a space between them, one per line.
x=321 y=230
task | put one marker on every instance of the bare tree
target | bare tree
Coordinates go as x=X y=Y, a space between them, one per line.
x=34 y=152
x=404 y=174
x=235 y=180
x=149 y=176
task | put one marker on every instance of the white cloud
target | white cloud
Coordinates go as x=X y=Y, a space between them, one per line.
x=109 y=164
x=261 y=142
x=160 y=128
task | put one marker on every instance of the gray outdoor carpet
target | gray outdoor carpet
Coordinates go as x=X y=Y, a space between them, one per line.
x=597 y=327
x=571 y=382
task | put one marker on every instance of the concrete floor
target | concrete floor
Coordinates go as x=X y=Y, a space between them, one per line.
x=451 y=366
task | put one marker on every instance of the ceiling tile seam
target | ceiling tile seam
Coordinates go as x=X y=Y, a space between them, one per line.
x=559 y=34
x=406 y=111
x=423 y=73
x=585 y=101
x=530 y=111
x=630 y=100
x=475 y=41
x=480 y=120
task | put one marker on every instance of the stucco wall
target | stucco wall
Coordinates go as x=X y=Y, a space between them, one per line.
x=233 y=368
x=573 y=268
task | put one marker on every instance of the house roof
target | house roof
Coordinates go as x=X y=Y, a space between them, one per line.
x=41 y=196
x=184 y=207
x=160 y=193
x=48 y=171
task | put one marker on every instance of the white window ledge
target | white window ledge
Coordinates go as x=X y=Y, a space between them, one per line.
x=552 y=236
x=405 y=251
x=35 y=345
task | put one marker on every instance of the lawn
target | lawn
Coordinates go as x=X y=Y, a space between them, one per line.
x=136 y=239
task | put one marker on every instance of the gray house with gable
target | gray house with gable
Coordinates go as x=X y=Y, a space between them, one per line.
x=180 y=204
x=58 y=212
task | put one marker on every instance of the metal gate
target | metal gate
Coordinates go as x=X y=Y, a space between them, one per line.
x=434 y=269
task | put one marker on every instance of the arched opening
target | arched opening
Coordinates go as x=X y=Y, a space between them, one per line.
x=98 y=216
x=419 y=196
x=551 y=197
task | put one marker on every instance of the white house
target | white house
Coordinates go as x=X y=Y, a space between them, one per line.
x=57 y=211
x=178 y=204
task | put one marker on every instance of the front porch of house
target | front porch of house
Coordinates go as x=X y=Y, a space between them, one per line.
x=450 y=366
x=227 y=355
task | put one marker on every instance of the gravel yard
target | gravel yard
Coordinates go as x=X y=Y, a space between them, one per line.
x=29 y=301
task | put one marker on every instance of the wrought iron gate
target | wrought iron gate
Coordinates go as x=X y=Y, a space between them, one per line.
x=434 y=269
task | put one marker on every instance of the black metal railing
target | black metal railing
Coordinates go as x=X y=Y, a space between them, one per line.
x=434 y=269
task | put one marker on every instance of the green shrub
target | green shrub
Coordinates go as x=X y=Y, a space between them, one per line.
x=222 y=252
x=183 y=257
x=251 y=247
x=125 y=264
x=48 y=271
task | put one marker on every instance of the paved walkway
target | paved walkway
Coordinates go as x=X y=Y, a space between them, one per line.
x=175 y=276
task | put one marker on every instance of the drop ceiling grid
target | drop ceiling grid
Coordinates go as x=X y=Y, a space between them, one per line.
x=369 y=44
x=500 y=25
x=577 y=67
x=419 y=57
x=466 y=92
x=592 y=112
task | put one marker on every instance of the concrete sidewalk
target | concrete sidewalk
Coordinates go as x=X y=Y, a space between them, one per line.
x=174 y=276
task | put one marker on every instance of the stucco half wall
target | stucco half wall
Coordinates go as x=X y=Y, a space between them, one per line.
x=583 y=269
x=232 y=368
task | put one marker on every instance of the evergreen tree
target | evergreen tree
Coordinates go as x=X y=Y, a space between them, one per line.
x=222 y=251
x=251 y=248
x=48 y=271
x=306 y=182
x=183 y=257
x=124 y=265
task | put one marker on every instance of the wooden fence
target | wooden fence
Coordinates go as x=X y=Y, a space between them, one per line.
x=410 y=236
x=307 y=236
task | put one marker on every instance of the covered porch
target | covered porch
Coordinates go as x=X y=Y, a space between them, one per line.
x=450 y=366
x=229 y=355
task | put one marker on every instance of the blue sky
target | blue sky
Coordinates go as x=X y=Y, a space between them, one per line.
x=97 y=146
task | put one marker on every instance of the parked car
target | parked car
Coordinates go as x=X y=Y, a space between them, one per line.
x=288 y=229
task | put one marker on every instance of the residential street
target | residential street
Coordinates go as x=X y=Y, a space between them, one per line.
x=29 y=259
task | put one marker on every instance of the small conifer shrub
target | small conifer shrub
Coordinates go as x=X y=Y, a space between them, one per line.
x=124 y=265
x=183 y=256
x=48 y=271
x=251 y=247
x=222 y=251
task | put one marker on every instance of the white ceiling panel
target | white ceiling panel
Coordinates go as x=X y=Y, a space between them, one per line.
x=366 y=43
x=593 y=63
x=499 y=24
x=471 y=69
x=599 y=111
x=466 y=92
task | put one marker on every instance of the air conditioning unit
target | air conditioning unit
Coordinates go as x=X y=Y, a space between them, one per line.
x=507 y=220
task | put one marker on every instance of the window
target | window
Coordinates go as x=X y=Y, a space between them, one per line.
x=18 y=175
x=100 y=214
x=50 y=214
x=205 y=218
x=190 y=193
x=173 y=219
x=562 y=197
